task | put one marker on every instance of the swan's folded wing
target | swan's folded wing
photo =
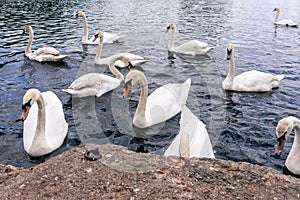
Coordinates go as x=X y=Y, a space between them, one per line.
x=56 y=125
x=86 y=80
x=46 y=50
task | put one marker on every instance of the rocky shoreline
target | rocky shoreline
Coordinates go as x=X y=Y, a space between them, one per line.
x=123 y=174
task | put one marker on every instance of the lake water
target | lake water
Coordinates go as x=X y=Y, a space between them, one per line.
x=241 y=125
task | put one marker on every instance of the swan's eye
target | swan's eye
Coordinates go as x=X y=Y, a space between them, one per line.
x=96 y=35
x=229 y=51
x=128 y=84
x=282 y=137
x=27 y=104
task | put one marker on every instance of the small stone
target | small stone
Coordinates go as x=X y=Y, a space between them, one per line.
x=89 y=170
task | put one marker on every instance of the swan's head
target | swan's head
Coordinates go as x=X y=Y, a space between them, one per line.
x=98 y=35
x=283 y=130
x=30 y=97
x=27 y=29
x=126 y=60
x=79 y=14
x=132 y=78
x=229 y=50
x=170 y=26
x=276 y=9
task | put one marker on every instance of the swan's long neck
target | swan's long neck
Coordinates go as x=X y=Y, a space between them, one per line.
x=40 y=133
x=141 y=108
x=171 y=43
x=293 y=159
x=116 y=72
x=277 y=15
x=230 y=75
x=28 y=48
x=296 y=123
x=85 y=29
x=99 y=51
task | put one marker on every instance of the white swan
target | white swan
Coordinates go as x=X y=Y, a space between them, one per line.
x=136 y=60
x=193 y=47
x=107 y=37
x=45 y=127
x=192 y=140
x=283 y=130
x=250 y=81
x=42 y=54
x=161 y=105
x=285 y=22
x=96 y=84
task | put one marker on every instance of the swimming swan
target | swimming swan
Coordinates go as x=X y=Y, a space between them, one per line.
x=107 y=37
x=96 y=84
x=163 y=103
x=42 y=54
x=136 y=60
x=283 y=130
x=250 y=81
x=192 y=139
x=285 y=22
x=193 y=47
x=45 y=127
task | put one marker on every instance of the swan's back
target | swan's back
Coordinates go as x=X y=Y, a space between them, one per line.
x=191 y=47
x=256 y=81
x=92 y=84
x=192 y=140
x=166 y=101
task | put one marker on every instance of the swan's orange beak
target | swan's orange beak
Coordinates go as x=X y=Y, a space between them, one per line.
x=127 y=88
x=25 y=113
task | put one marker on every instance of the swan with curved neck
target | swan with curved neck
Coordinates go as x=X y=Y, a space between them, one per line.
x=283 y=130
x=45 y=127
x=164 y=103
x=192 y=139
x=250 y=81
x=193 y=47
x=285 y=22
x=96 y=84
x=42 y=54
x=107 y=37
x=136 y=60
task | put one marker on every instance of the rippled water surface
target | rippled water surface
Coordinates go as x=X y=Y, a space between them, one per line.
x=241 y=125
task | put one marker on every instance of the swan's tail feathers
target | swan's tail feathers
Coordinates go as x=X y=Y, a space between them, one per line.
x=185 y=89
x=280 y=77
x=137 y=63
x=61 y=57
x=70 y=91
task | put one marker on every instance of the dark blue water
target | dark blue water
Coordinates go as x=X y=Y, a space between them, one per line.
x=241 y=126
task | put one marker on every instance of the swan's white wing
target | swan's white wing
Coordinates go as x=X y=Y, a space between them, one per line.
x=110 y=37
x=256 y=81
x=286 y=22
x=56 y=125
x=192 y=139
x=190 y=46
x=46 y=50
x=166 y=101
x=92 y=84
